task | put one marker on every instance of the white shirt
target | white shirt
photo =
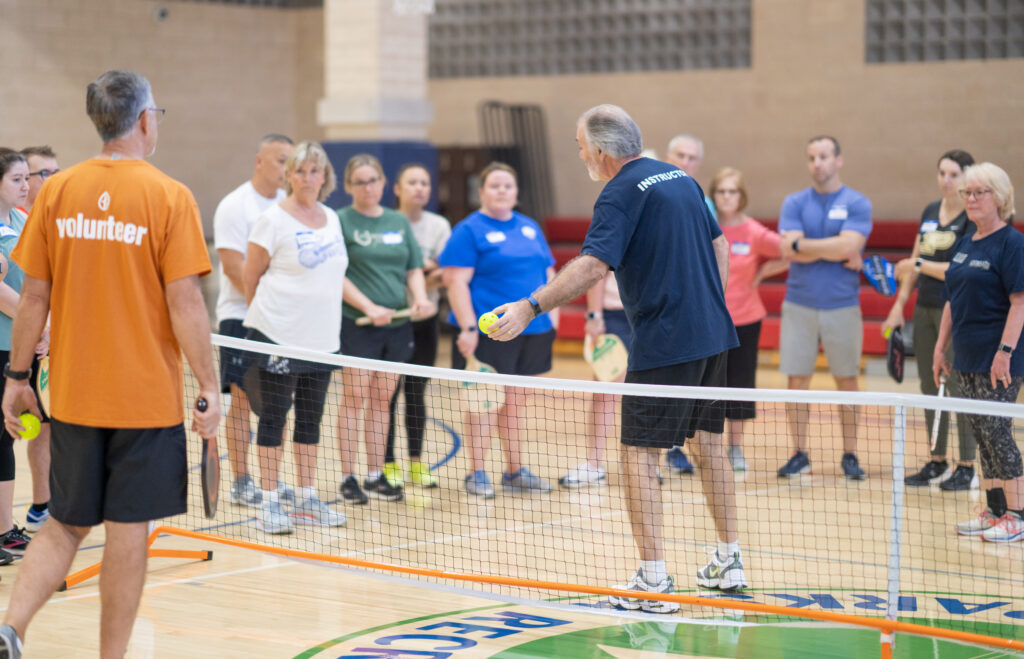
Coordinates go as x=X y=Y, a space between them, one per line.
x=432 y=232
x=298 y=298
x=235 y=216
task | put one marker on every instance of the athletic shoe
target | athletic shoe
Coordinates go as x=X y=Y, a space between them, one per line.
x=582 y=475
x=10 y=644
x=314 y=512
x=640 y=584
x=479 y=483
x=14 y=541
x=1009 y=528
x=382 y=489
x=983 y=522
x=851 y=469
x=5 y=557
x=724 y=575
x=932 y=472
x=245 y=493
x=659 y=476
x=285 y=494
x=34 y=519
x=962 y=478
x=524 y=481
x=798 y=464
x=678 y=461
x=394 y=473
x=351 y=492
x=739 y=463
x=419 y=474
x=273 y=519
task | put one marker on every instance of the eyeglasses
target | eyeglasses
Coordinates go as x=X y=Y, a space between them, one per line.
x=159 y=112
x=977 y=194
x=365 y=184
x=727 y=191
x=43 y=174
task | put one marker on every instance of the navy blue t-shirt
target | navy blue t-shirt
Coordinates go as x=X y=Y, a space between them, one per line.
x=981 y=276
x=652 y=227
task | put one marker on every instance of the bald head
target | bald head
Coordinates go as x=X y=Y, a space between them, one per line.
x=685 y=152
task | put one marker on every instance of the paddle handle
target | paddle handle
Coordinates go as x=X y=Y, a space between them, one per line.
x=401 y=313
x=938 y=415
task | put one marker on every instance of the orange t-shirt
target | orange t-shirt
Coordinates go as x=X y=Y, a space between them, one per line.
x=109 y=235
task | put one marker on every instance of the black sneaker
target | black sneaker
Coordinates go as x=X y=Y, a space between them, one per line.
x=963 y=478
x=351 y=492
x=382 y=489
x=799 y=463
x=6 y=557
x=851 y=468
x=14 y=541
x=930 y=473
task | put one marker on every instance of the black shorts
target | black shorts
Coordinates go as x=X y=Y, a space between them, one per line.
x=615 y=322
x=425 y=335
x=116 y=474
x=527 y=354
x=657 y=422
x=233 y=362
x=390 y=343
x=741 y=370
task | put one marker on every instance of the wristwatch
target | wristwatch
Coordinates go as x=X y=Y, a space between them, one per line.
x=1006 y=347
x=593 y=315
x=535 y=305
x=796 y=246
x=15 y=375
x=917 y=264
x=469 y=328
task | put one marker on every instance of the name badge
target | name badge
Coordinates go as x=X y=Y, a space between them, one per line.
x=496 y=237
x=391 y=237
x=6 y=231
x=740 y=249
x=929 y=226
x=529 y=232
x=960 y=257
x=838 y=213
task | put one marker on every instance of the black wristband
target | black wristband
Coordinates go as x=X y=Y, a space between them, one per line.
x=535 y=305
x=594 y=315
x=15 y=375
x=1006 y=347
x=796 y=246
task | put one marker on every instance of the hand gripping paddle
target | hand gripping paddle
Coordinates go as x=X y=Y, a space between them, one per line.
x=210 y=469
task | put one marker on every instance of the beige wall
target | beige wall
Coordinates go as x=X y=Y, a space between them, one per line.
x=808 y=76
x=226 y=74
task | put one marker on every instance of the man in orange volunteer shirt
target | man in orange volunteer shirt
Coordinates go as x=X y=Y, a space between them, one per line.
x=113 y=250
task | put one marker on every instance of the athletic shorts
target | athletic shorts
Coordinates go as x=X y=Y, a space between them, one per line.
x=615 y=322
x=839 y=331
x=388 y=343
x=527 y=354
x=741 y=370
x=116 y=474
x=233 y=362
x=425 y=335
x=657 y=422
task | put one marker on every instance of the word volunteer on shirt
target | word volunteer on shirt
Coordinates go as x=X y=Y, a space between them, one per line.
x=108 y=229
x=658 y=178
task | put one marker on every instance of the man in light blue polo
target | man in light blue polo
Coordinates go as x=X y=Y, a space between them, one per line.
x=824 y=229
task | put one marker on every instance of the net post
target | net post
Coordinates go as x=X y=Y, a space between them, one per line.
x=899 y=445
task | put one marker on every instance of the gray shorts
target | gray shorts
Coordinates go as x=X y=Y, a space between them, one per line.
x=839 y=331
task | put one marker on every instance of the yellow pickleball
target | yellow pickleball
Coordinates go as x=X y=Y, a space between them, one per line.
x=31 y=423
x=486 y=321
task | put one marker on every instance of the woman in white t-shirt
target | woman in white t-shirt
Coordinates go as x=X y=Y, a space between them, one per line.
x=294 y=272
x=412 y=190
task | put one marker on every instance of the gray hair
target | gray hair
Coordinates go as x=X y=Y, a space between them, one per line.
x=115 y=100
x=686 y=136
x=611 y=129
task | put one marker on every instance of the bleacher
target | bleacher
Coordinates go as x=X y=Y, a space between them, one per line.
x=893 y=239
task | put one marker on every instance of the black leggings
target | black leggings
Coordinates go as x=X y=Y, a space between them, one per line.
x=310 y=391
x=425 y=337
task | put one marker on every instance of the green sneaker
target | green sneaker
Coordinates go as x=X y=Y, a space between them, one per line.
x=394 y=473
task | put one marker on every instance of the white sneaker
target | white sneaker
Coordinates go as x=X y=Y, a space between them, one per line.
x=983 y=522
x=723 y=575
x=273 y=519
x=314 y=512
x=582 y=475
x=640 y=584
x=285 y=494
x=1010 y=528
x=245 y=493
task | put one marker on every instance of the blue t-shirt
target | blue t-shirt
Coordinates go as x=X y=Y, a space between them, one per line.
x=981 y=276
x=510 y=259
x=824 y=284
x=9 y=233
x=652 y=227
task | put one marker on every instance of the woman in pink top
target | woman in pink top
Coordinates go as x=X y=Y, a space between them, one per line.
x=753 y=256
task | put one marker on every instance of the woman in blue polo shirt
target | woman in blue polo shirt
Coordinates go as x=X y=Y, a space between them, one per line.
x=983 y=317
x=494 y=255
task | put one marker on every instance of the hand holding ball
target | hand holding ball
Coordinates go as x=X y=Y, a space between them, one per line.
x=486 y=321
x=31 y=423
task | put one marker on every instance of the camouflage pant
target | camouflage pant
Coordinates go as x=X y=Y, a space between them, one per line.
x=1000 y=457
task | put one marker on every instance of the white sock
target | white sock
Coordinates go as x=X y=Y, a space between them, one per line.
x=270 y=496
x=654 y=571
x=303 y=493
x=374 y=475
x=727 y=549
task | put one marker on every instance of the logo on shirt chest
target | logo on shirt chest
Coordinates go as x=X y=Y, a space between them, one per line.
x=368 y=238
x=936 y=241
x=959 y=257
x=495 y=237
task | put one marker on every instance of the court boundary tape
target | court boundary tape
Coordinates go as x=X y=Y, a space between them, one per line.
x=887 y=628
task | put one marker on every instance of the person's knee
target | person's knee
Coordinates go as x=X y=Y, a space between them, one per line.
x=847 y=383
x=799 y=382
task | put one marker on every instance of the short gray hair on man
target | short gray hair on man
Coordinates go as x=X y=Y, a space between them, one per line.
x=686 y=136
x=611 y=129
x=115 y=100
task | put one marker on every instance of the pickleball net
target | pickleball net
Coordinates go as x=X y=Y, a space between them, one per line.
x=817 y=544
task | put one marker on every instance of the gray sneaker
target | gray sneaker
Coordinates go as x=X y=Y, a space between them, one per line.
x=245 y=493
x=314 y=512
x=639 y=583
x=273 y=519
x=739 y=463
x=285 y=494
x=524 y=481
x=724 y=575
x=10 y=644
x=479 y=483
